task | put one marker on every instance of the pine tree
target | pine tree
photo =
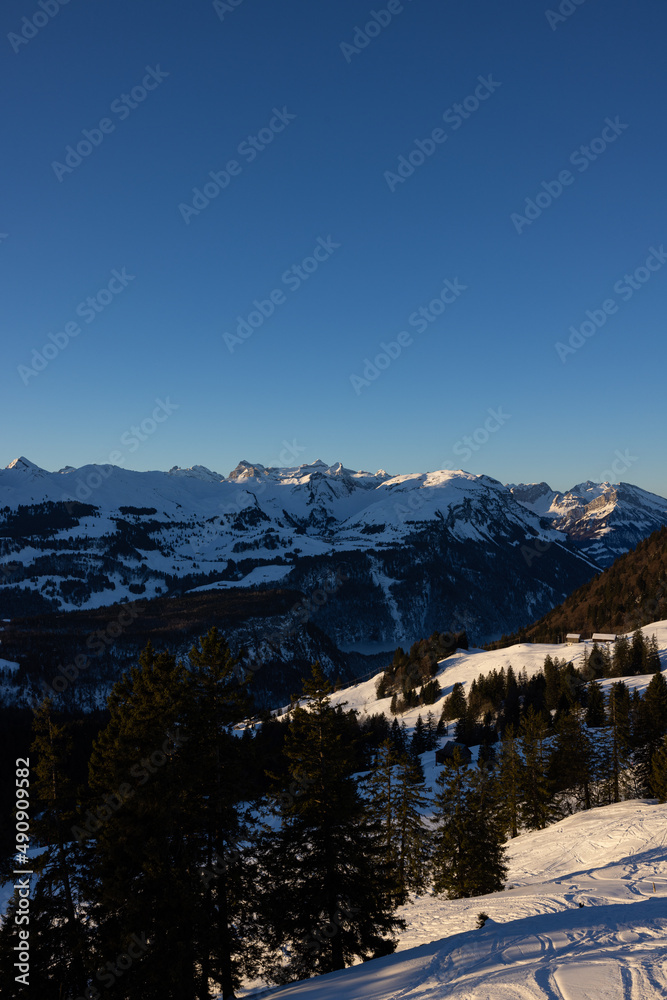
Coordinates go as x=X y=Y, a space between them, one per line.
x=536 y=797
x=431 y=732
x=659 y=772
x=638 y=653
x=217 y=699
x=465 y=729
x=397 y=799
x=382 y=791
x=398 y=739
x=329 y=895
x=59 y=956
x=413 y=838
x=622 y=657
x=419 y=741
x=650 y=727
x=595 y=664
x=552 y=678
x=511 y=713
x=571 y=763
x=164 y=784
x=455 y=703
x=511 y=781
x=469 y=857
x=442 y=728
x=595 y=713
x=430 y=692
x=615 y=746
x=145 y=872
x=653 y=663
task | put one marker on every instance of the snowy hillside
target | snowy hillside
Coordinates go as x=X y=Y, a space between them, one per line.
x=465 y=666
x=581 y=921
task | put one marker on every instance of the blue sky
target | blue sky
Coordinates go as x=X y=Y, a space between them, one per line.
x=332 y=111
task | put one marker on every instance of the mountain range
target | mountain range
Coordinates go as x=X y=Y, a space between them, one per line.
x=381 y=560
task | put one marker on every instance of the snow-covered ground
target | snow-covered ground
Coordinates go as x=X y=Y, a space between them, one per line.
x=540 y=942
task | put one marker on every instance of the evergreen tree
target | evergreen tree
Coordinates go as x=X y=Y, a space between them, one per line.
x=615 y=747
x=653 y=664
x=469 y=857
x=638 y=653
x=442 y=728
x=431 y=732
x=533 y=690
x=595 y=713
x=57 y=939
x=659 y=772
x=217 y=698
x=397 y=799
x=511 y=781
x=413 y=837
x=398 y=739
x=329 y=895
x=599 y=662
x=144 y=870
x=650 y=727
x=164 y=784
x=536 y=791
x=622 y=657
x=430 y=692
x=419 y=741
x=382 y=790
x=455 y=703
x=60 y=959
x=571 y=763
x=511 y=713
x=465 y=730
x=552 y=677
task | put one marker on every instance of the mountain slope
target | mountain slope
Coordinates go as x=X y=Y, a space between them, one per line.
x=80 y=654
x=630 y=593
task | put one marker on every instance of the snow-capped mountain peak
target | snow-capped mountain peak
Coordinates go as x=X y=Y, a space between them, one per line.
x=605 y=519
x=247 y=470
x=24 y=465
x=198 y=472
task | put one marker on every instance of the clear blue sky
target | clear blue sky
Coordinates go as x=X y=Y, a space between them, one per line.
x=329 y=173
